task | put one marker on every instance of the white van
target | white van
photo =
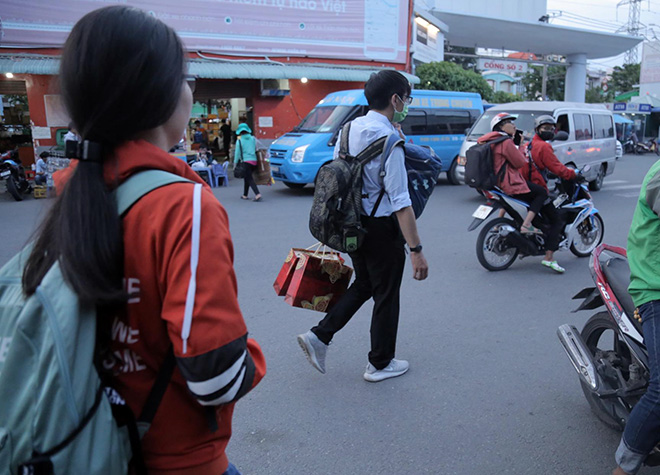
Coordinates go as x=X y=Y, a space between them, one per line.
x=590 y=127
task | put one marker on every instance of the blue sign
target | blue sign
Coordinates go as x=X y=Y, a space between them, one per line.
x=619 y=106
x=645 y=108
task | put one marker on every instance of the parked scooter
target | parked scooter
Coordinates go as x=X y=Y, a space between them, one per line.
x=609 y=354
x=13 y=173
x=629 y=145
x=500 y=241
x=652 y=145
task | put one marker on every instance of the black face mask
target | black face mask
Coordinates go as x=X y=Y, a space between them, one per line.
x=546 y=134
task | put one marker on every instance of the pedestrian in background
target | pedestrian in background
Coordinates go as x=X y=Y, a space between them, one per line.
x=225 y=130
x=41 y=170
x=136 y=269
x=246 y=152
x=390 y=224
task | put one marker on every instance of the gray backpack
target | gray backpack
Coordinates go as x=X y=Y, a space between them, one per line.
x=56 y=416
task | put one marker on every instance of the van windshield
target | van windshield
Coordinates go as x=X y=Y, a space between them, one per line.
x=324 y=119
x=524 y=122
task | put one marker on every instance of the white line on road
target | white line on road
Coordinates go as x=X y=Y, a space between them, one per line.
x=628 y=195
x=614 y=182
x=624 y=187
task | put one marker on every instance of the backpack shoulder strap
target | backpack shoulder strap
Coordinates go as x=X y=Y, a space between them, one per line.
x=343 y=144
x=391 y=141
x=372 y=150
x=138 y=185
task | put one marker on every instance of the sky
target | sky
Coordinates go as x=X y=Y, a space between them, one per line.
x=603 y=15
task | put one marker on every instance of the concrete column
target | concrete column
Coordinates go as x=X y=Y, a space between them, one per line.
x=576 y=77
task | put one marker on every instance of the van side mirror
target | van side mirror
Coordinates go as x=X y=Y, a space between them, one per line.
x=561 y=136
x=465 y=132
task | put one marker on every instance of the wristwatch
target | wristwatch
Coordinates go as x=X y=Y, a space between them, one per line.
x=417 y=248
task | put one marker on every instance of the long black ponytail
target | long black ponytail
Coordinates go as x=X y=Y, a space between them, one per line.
x=121 y=74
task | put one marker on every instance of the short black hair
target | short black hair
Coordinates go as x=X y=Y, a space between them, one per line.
x=382 y=85
x=198 y=122
x=44 y=154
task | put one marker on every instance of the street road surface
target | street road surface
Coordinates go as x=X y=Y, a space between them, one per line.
x=489 y=390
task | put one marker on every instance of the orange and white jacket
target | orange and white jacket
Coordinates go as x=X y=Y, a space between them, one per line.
x=216 y=361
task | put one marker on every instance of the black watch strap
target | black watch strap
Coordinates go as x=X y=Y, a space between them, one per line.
x=417 y=248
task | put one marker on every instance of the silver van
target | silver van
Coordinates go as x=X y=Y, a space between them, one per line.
x=590 y=127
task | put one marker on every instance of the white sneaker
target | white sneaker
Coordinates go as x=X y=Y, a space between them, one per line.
x=392 y=370
x=314 y=349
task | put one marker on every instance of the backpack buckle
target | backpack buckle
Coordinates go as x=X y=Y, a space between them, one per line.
x=37 y=466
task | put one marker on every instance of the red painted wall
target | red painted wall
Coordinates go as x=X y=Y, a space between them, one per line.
x=288 y=111
x=37 y=87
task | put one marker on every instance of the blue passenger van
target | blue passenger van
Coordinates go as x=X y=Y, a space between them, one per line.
x=438 y=119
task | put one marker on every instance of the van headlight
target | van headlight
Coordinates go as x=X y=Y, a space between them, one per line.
x=299 y=154
x=461 y=160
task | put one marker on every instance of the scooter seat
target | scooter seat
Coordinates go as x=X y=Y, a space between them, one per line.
x=617 y=272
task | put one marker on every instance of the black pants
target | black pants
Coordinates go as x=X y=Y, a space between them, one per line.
x=248 y=180
x=378 y=265
x=555 y=222
x=226 y=144
x=536 y=196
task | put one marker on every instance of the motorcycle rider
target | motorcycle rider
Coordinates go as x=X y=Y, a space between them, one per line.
x=542 y=159
x=642 y=432
x=512 y=182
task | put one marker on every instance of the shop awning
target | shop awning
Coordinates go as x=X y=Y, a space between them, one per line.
x=619 y=119
x=254 y=70
x=210 y=69
x=626 y=96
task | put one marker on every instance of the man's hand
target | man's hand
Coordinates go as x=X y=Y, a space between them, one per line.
x=420 y=267
x=397 y=126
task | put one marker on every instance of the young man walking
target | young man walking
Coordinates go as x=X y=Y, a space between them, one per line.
x=379 y=262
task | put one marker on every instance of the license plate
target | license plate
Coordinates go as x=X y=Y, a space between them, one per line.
x=482 y=212
x=275 y=169
x=6 y=173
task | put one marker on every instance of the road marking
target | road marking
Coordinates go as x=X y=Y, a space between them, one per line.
x=624 y=187
x=628 y=195
x=614 y=182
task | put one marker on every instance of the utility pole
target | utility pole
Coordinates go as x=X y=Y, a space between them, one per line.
x=544 y=81
x=632 y=28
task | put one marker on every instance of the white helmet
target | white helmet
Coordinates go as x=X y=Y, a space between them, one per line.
x=502 y=116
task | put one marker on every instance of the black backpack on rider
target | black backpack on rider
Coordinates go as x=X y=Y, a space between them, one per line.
x=479 y=168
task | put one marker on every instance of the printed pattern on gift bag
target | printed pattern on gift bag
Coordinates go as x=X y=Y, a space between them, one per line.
x=286 y=272
x=319 y=280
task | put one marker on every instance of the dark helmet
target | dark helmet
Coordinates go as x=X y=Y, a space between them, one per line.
x=544 y=119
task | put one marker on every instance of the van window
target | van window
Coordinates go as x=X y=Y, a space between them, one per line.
x=603 y=126
x=414 y=123
x=582 y=127
x=444 y=122
x=562 y=124
x=323 y=119
x=524 y=122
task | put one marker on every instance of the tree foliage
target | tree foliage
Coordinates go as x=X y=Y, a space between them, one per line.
x=502 y=97
x=624 y=78
x=449 y=76
x=555 y=85
x=595 y=95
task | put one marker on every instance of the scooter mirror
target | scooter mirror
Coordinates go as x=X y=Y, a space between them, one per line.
x=561 y=135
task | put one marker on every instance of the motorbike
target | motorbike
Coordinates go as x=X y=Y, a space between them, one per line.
x=629 y=145
x=12 y=172
x=500 y=240
x=652 y=145
x=609 y=354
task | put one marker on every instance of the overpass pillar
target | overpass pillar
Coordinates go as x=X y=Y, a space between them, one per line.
x=576 y=77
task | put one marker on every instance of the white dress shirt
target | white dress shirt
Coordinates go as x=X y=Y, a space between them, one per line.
x=364 y=131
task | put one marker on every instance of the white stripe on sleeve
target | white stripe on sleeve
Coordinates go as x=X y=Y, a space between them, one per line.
x=204 y=388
